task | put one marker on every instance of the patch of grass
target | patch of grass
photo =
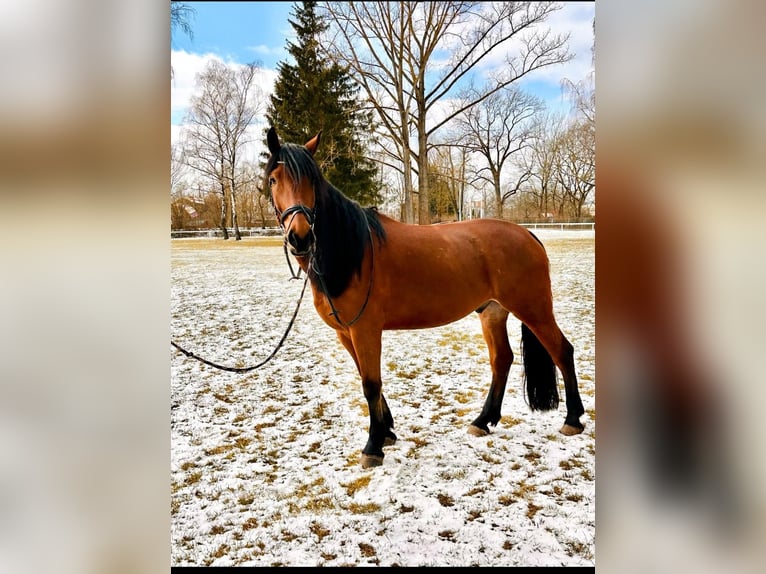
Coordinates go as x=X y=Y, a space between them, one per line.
x=250 y=524
x=357 y=484
x=445 y=500
x=475 y=490
x=218 y=450
x=533 y=457
x=473 y=515
x=246 y=499
x=506 y=499
x=447 y=534
x=366 y=508
x=404 y=508
x=319 y=504
x=221 y=551
x=217 y=529
x=367 y=550
x=419 y=442
x=532 y=509
x=510 y=421
x=453 y=474
x=258 y=427
x=327 y=556
x=523 y=489
x=192 y=478
x=574 y=548
x=224 y=398
x=486 y=457
x=319 y=531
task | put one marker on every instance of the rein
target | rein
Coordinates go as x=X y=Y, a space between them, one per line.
x=266 y=360
x=292 y=211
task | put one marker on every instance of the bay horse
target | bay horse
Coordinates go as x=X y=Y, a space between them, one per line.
x=371 y=273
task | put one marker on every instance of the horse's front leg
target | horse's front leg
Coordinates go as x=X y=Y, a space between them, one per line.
x=366 y=346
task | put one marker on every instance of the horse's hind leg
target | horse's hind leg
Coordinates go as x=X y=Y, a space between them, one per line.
x=545 y=335
x=494 y=321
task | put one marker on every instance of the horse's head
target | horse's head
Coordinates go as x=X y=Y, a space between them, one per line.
x=292 y=176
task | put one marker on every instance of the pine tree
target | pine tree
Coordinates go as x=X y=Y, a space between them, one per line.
x=316 y=94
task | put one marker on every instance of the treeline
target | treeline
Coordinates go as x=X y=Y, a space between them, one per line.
x=406 y=123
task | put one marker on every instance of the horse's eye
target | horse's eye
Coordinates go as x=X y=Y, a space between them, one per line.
x=272 y=181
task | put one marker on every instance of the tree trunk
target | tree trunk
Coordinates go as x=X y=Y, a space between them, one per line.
x=424 y=213
x=498 y=196
x=237 y=235
x=223 y=213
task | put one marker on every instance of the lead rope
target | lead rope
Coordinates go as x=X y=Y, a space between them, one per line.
x=274 y=352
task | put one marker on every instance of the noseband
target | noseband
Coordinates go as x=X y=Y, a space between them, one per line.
x=294 y=210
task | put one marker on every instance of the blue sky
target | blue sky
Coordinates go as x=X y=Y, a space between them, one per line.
x=241 y=32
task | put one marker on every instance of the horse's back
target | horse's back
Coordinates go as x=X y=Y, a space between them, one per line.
x=439 y=273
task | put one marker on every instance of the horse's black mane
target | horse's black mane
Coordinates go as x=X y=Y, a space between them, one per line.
x=341 y=225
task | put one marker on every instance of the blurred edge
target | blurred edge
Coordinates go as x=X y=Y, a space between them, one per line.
x=84 y=287
x=84 y=291
x=681 y=144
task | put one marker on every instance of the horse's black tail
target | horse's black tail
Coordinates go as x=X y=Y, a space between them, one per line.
x=539 y=373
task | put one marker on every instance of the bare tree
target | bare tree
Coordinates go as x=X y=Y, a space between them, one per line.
x=541 y=160
x=397 y=52
x=451 y=164
x=215 y=130
x=176 y=169
x=576 y=164
x=181 y=15
x=497 y=129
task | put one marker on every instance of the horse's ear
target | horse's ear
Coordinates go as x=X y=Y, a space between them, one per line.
x=313 y=143
x=273 y=141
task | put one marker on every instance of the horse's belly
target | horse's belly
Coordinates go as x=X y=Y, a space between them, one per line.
x=430 y=310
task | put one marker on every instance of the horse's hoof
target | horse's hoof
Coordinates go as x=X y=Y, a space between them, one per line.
x=476 y=431
x=570 y=430
x=371 y=460
x=389 y=440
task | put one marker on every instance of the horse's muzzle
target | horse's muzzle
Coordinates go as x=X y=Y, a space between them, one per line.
x=300 y=246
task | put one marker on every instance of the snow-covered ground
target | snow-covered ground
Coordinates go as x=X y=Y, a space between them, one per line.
x=265 y=465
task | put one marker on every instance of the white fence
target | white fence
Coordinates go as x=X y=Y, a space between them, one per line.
x=275 y=231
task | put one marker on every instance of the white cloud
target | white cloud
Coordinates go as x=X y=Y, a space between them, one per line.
x=186 y=66
x=265 y=50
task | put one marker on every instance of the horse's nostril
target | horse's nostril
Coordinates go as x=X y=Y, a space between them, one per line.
x=299 y=244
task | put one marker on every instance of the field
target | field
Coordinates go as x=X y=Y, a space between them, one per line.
x=265 y=465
